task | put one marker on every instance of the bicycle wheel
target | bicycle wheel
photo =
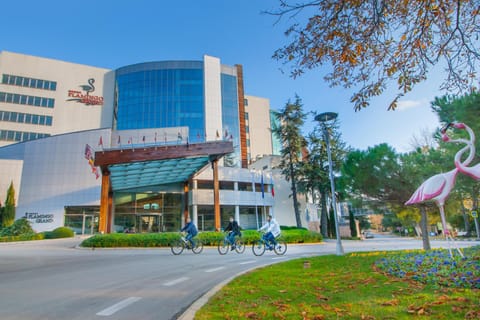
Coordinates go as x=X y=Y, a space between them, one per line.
x=239 y=246
x=258 y=248
x=177 y=247
x=223 y=247
x=280 y=248
x=198 y=246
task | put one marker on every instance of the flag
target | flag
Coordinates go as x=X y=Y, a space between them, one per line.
x=165 y=136
x=143 y=139
x=262 y=187
x=155 y=138
x=88 y=152
x=218 y=135
x=118 y=142
x=271 y=182
x=89 y=155
x=100 y=142
x=179 y=137
x=226 y=134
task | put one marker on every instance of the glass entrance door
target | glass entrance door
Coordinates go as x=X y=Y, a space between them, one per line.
x=88 y=225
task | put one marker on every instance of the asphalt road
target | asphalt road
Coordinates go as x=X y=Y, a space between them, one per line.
x=54 y=279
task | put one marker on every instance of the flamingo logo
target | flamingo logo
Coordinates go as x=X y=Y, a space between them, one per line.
x=85 y=97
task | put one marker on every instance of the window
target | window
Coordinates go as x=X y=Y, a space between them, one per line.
x=13 y=117
x=29 y=82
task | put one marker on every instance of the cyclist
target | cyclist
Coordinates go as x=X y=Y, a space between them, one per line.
x=191 y=231
x=234 y=230
x=272 y=229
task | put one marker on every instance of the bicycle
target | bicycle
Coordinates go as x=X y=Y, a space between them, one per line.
x=178 y=245
x=259 y=246
x=224 y=244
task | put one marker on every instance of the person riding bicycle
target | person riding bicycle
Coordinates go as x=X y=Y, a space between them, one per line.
x=191 y=231
x=272 y=229
x=234 y=230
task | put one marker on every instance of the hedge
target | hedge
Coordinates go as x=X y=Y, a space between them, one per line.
x=209 y=238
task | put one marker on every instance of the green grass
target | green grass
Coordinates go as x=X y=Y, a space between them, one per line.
x=337 y=287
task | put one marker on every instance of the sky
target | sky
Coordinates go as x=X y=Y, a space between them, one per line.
x=115 y=33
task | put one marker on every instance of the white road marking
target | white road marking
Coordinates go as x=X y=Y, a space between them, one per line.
x=278 y=258
x=118 y=306
x=214 y=269
x=248 y=262
x=173 y=282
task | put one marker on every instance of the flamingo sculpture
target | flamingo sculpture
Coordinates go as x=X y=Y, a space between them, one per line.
x=438 y=187
x=88 y=87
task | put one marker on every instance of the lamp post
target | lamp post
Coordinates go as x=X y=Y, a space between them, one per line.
x=323 y=118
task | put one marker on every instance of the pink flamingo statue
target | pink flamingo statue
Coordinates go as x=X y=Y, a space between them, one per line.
x=438 y=187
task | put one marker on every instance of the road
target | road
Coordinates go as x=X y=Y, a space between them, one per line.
x=54 y=279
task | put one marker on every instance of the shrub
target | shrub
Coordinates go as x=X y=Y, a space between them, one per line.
x=19 y=227
x=60 y=232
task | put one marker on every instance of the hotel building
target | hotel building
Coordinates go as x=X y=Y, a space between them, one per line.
x=89 y=147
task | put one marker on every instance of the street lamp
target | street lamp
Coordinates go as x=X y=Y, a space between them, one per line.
x=323 y=118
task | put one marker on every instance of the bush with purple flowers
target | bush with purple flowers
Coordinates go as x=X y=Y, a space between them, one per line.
x=435 y=267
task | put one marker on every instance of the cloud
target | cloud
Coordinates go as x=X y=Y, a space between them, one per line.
x=409 y=104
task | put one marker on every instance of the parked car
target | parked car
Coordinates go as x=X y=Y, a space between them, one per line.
x=368 y=235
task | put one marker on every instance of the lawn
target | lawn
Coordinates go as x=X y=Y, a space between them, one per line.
x=371 y=285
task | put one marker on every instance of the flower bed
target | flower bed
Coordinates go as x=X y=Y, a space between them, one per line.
x=435 y=267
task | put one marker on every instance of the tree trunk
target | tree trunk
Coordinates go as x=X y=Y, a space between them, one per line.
x=294 y=195
x=423 y=227
x=465 y=220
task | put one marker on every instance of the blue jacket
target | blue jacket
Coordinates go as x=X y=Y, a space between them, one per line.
x=190 y=229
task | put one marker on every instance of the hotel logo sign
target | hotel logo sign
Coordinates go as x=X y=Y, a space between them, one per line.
x=84 y=95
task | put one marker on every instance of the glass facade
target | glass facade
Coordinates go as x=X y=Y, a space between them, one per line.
x=169 y=94
x=230 y=120
x=161 y=95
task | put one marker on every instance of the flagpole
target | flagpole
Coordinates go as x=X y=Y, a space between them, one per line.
x=263 y=196
x=255 y=195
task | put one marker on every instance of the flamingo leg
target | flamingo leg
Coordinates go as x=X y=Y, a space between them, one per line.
x=447 y=234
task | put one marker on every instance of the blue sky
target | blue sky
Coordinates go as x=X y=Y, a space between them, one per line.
x=115 y=33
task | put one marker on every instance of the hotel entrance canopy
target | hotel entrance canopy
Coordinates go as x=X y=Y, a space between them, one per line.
x=139 y=167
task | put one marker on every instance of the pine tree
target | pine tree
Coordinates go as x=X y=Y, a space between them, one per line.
x=8 y=216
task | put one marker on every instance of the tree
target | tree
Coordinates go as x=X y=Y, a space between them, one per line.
x=353 y=225
x=8 y=216
x=291 y=119
x=315 y=168
x=373 y=44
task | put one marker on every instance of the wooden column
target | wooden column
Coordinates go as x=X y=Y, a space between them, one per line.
x=216 y=195
x=105 y=208
x=185 y=200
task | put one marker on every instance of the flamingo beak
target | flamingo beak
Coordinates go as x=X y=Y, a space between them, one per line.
x=444 y=129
